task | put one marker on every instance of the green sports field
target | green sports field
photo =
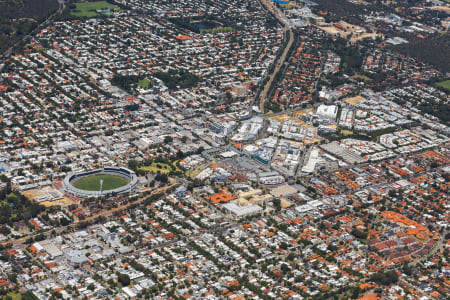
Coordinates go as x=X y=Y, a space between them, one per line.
x=157 y=168
x=144 y=83
x=89 y=9
x=444 y=84
x=92 y=183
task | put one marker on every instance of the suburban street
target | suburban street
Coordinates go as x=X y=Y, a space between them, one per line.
x=103 y=213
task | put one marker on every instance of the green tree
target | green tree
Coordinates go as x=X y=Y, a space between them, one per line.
x=124 y=279
x=28 y=295
x=168 y=139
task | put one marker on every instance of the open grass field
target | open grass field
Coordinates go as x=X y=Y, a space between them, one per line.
x=174 y=165
x=193 y=172
x=444 y=84
x=92 y=183
x=144 y=83
x=216 y=30
x=155 y=167
x=89 y=9
x=14 y=296
x=362 y=77
x=289 y=6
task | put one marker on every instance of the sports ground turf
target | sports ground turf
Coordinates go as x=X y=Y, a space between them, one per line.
x=157 y=168
x=444 y=84
x=89 y=9
x=92 y=183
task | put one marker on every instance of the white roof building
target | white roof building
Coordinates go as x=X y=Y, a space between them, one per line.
x=328 y=111
x=242 y=211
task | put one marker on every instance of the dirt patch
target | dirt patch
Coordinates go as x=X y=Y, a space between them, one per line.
x=285 y=203
x=279 y=117
x=354 y=100
x=302 y=112
x=47 y=196
x=442 y=8
x=344 y=29
x=347 y=132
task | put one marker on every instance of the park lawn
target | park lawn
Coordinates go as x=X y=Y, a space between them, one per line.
x=15 y=296
x=89 y=9
x=174 y=164
x=444 y=84
x=193 y=172
x=144 y=83
x=362 y=77
x=216 y=30
x=288 y=6
x=155 y=167
x=92 y=183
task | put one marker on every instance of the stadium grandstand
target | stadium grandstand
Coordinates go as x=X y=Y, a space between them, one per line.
x=99 y=178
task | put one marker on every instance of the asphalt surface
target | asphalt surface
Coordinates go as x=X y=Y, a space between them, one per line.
x=287 y=30
x=103 y=213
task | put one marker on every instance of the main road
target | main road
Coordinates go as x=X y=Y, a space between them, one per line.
x=279 y=15
x=61 y=7
x=103 y=213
